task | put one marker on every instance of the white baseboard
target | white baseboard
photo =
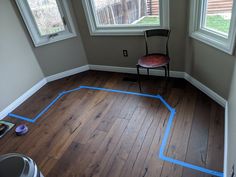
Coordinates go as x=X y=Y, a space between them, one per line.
x=154 y=72
x=226 y=141
x=22 y=98
x=213 y=95
x=67 y=73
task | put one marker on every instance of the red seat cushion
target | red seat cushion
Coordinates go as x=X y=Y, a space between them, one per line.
x=153 y=61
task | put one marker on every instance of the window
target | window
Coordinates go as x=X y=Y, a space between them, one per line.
x=47 y=20
x=214 y=23
x=125 y=17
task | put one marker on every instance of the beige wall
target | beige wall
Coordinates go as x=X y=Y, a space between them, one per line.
x=108 y=50
x=232 y=125
x=210 y=66
x=60 y=56
x=19 y=69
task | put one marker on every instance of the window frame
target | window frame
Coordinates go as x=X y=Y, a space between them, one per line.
x=32 y=26
x=211 y=37
x=127 y=30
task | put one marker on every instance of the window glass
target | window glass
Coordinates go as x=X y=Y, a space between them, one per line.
x=126 y=12
x=218 y=15
x=214 y=22
x=47 y=16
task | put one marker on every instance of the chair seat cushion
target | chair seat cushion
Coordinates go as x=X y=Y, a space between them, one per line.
x=153 y=61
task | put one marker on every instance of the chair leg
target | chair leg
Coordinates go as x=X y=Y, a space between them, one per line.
x=168 y=70
x=165 y=71
x=139 y=82
x=148 y=73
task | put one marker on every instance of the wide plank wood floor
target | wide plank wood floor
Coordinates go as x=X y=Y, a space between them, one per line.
x=100 y=134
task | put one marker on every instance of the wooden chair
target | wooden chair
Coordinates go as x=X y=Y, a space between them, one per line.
x=155 y=60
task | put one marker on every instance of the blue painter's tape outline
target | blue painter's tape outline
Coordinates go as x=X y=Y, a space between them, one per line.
x=178 y=162
x=166 y=134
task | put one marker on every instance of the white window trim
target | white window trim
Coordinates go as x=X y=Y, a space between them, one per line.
x=214 y=39
x=39 y=40
x=128 y=30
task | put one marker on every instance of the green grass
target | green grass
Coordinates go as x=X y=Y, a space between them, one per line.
x=215 y=22
x=218 y=23
x=149 y=21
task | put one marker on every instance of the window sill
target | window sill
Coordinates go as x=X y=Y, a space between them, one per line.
x=223 y=45
x=121 y=31
x=54 y=40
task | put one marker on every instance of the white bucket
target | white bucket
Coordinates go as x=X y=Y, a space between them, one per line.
x=18 y=165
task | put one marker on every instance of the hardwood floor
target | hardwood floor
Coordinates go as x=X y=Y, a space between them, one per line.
x=100 y=134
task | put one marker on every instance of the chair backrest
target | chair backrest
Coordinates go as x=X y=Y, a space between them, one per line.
x=160 y=33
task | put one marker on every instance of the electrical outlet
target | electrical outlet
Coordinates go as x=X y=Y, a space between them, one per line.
x=233 y=174
x=125 y=53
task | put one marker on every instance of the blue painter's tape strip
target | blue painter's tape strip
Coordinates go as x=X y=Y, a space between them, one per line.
x=166 y=134
x=194 y=167
x=73 y=90
x=120 y=91
x=165 y=103
x=178 y=162
x=48 y=107
x=41 y=113
x=21 y=117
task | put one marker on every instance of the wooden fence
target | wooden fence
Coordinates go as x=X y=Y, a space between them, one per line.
x=219 y=6
x=114 y=13
x=153 y=7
